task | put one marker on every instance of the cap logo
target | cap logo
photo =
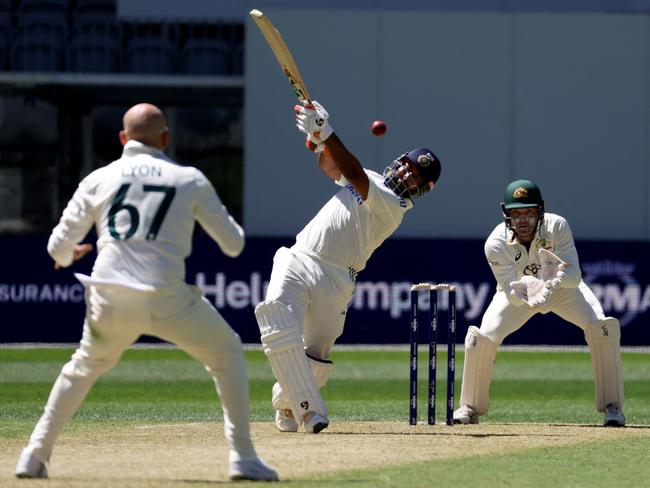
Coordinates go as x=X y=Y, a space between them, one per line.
x=520 y=193
x=425 y=160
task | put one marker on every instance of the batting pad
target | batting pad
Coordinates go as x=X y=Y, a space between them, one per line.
x=321 y=368
x=283 y=346
x=480 y=354
x=278 y=398
x=604 y=338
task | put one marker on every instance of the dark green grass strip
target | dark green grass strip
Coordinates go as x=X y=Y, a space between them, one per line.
x=584 y=465
x=166 y=385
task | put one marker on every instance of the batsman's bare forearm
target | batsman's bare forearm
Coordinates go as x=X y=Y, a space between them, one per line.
x=327 y=165
x=348 y=164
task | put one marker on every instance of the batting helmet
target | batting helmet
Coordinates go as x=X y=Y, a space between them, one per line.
x=399 y=176
x=522 y=194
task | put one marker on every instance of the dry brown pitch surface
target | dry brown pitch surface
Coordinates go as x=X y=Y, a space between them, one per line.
x=169 y=455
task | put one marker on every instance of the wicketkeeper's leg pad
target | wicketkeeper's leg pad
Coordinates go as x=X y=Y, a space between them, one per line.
x=283 y=345
x=480 y=354
x=604 y=341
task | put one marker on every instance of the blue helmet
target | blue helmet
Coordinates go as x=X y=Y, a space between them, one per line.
x=399 y=175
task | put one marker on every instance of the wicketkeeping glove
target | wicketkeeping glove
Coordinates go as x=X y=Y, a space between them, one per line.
x=552 y=271
x=532 y=291
x=311 y=119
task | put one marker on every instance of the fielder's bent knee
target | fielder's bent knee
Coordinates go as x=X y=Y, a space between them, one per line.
x=87 y=367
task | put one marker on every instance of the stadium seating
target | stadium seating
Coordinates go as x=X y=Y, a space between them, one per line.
x=5 y=26
x=95 y=7
x=205 y=56
x=26 y=56
x=5 y=36
x=38 y=44
x=237 y=59
x=87 y=36
x=46 y=7
x=150 y=54
x=94 y=45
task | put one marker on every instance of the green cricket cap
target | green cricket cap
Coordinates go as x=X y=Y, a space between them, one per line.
x=522 y=194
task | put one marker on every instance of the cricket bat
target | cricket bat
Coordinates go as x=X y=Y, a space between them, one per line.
x=282 y=54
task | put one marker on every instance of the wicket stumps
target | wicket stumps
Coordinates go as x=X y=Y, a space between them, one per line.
x=433 y=355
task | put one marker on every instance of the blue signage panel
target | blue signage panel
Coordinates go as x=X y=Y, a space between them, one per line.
x=39 y=304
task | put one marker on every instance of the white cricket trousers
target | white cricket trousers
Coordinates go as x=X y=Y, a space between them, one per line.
x=318 y=293
x=115 y=318
x=576 y=305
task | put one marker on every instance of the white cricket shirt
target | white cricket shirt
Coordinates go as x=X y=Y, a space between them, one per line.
x=143 y=206
x=509 y=259
x=347 y=230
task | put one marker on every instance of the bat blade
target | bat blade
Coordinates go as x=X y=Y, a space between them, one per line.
x=282 y=54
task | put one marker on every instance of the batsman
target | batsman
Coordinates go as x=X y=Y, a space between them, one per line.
x=534 y=260
x=313 y=281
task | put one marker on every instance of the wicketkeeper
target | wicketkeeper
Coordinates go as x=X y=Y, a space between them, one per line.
x=535 y=263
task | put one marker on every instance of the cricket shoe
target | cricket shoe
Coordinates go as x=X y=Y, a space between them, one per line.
x=614 y=416
x=315 y=422
x=30 y=467
x=251 y=469
x=466 y=415
x=285 y=421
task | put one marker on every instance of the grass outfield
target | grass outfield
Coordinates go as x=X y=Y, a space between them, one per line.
x=541 y=426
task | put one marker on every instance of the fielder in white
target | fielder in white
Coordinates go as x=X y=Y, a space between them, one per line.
x=535 y=263
x=144 y=207
x=313 y=281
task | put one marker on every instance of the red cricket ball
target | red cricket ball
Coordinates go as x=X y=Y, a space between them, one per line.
x=378 y=127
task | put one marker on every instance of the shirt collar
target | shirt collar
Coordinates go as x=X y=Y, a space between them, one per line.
x=133 y=147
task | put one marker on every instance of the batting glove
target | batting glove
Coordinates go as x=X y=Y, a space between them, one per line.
x=311 y=119
x=314 y=144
